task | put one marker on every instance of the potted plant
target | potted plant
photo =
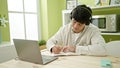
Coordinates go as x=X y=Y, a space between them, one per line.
x=42 y=44
x=3 y=23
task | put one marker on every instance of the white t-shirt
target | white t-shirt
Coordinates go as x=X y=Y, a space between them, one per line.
x=75 y=36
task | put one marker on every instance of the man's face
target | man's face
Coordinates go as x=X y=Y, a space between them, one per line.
x=77 y=26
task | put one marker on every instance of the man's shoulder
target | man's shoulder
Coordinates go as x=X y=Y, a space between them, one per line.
x=66 y=27
x=91 y=26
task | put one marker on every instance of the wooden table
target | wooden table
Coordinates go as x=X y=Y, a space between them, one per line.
x=66 y=62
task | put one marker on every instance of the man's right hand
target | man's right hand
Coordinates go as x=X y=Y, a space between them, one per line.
x=56 y=49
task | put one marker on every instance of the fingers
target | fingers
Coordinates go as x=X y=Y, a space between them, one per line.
x=68 y=49
x=65 y=49
x=72 y=48
x=56 y=49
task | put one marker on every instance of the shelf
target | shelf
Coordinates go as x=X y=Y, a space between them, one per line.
x=5 y=44
x=104 y=7
x=110 y=33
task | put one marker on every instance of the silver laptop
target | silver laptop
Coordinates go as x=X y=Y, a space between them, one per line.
x=28 y=50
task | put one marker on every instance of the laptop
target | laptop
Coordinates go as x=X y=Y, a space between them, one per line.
x=28 y=50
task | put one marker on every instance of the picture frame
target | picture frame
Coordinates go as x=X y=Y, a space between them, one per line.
x=71 y=4
x=102 y=2
x=105 y=2
x=114 y=2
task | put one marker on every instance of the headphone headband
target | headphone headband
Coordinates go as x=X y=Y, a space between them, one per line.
x=86 y=9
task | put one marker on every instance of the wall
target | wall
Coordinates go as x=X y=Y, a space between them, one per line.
x=55 y=8
x=4 y=11
x=52 y=11
x=51 y=16
x=44 y=19
x=90 y=2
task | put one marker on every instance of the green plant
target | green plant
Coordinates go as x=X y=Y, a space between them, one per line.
x=42 y=42
x=3 y=21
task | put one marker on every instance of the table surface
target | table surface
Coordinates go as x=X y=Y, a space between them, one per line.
x=66 y=62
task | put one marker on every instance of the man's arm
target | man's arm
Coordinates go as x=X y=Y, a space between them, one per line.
x=54 y=42
x=97 y=46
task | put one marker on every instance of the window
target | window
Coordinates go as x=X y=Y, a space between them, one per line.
x=24 y=19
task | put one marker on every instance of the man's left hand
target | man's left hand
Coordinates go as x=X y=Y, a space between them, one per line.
x=68 y=49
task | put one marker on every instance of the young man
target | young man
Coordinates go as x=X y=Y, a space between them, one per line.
x=79 y=35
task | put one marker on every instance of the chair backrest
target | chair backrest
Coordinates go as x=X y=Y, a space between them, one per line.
x=113 y=48
x=7 y=53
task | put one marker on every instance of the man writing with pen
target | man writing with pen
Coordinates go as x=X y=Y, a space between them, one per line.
x=79 y=36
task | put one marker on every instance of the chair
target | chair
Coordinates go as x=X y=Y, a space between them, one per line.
x=113 y=48
x=7 y=53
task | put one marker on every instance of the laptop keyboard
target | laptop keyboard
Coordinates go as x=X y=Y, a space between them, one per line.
x=47 y=58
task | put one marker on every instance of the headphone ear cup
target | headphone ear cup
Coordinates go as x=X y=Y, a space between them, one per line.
x=71 y=15
x=90 y=19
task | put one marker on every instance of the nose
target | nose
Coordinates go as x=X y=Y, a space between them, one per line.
x=75 y=25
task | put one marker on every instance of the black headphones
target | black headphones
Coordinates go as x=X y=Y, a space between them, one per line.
x=85 y=8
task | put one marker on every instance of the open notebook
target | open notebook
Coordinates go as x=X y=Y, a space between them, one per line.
x=46 y=52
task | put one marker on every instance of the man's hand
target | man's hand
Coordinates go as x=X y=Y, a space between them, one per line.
x=56 y=49
x=68 y=49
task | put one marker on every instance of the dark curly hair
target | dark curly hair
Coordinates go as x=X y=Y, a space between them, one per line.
x=82 y=14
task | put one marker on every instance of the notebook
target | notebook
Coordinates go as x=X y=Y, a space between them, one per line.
x=28 y=50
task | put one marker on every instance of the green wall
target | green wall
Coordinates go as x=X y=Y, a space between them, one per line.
x=90 y=2
x=55 y=8
x=51 y=17
x=51 y=11
x=44 y=19
x=4 y=11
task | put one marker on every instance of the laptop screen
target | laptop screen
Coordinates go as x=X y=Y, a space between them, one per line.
x=28 y=50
